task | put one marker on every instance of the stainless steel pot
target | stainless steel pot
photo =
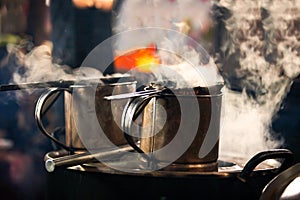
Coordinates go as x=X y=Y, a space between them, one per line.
x=170 y=119
x=109 y=117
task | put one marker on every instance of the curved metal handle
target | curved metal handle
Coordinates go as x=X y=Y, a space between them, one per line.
x=275 y=188
x=131 y=112
x=265 y=155
x=41 y=108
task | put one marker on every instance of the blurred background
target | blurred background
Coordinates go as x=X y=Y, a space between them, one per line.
x=255 y=44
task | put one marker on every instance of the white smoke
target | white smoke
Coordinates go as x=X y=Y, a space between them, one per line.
x=180 y=60
x=38 y=67
x=186 y=75
x=160 y=13
x=258 y=57
x=189 y=17
x=261 y=52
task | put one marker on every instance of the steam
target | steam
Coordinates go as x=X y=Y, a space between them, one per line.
x=165 y=14
x=260 y=60
x=257 y=56
x=38 y=67
x=186 y=65
x=186 y=75
x=188 y=17
x=182 y=62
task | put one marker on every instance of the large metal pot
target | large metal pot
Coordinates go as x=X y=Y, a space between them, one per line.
x=231 y=181
x=108 y=116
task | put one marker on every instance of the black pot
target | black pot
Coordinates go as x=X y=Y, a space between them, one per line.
x=96 y=181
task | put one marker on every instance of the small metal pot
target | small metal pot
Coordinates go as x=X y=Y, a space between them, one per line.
x=108 y=117
x=169 y=115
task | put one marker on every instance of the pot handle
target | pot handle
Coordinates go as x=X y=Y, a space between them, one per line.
x=131 y=112
x=43 y=104
x=275 y=188
x=265 y=155
x=133 y=109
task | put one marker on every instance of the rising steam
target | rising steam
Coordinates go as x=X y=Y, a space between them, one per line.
x=257 y=56
x=259 y=59
x=37 y=66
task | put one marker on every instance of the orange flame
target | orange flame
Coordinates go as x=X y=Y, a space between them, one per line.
x=142 y=59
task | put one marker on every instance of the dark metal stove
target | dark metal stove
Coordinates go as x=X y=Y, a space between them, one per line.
x=231 y=181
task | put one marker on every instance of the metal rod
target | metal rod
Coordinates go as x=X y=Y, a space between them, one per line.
x=36 y=85
x=71 y=160
x=133 y=94
x=65 y=83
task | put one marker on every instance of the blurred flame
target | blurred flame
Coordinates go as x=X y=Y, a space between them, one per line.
x=142 y=59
